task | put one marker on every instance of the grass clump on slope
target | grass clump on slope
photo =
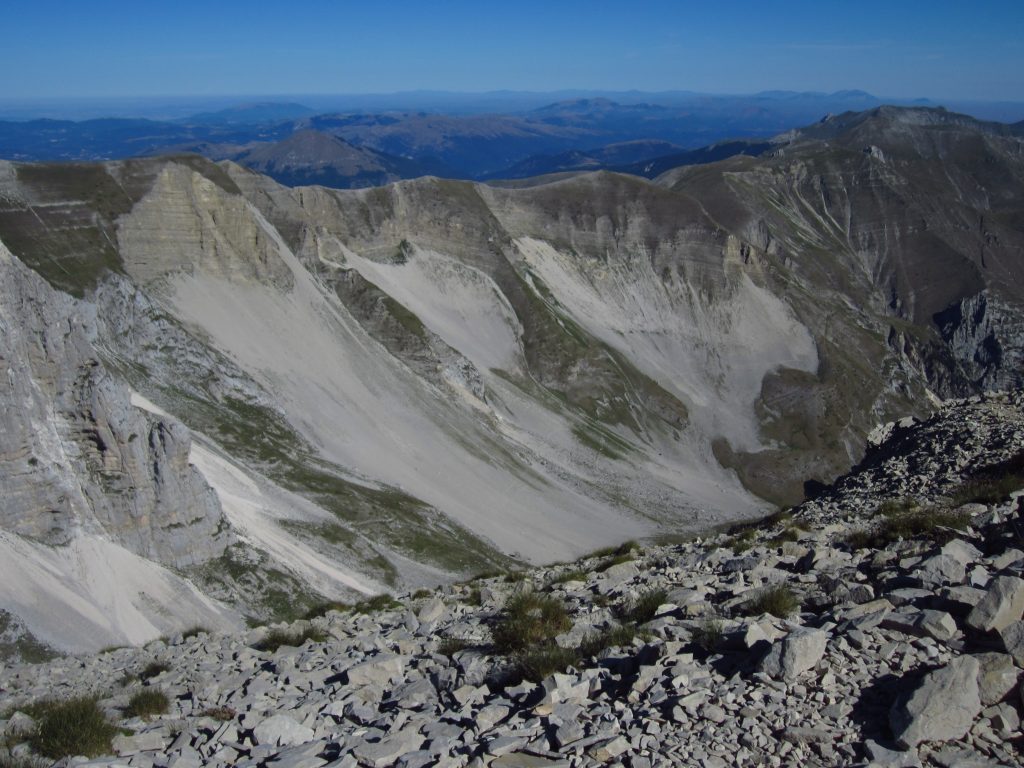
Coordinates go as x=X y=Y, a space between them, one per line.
x=71 y=727
x=147 y=703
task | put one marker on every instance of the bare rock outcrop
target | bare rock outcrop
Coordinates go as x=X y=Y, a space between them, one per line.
x=75 y=455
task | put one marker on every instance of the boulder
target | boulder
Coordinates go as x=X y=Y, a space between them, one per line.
x=1012 y=636
x=997 y=677
x=1002 y=605
x=796 y=653
x=282 y=731
x=380 y=670
x=942 y=707
x=386 y=751
x=962 y=551
x=937 y=624
x=940 y=570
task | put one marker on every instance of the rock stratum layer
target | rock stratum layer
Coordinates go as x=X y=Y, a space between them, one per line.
x=392 y=386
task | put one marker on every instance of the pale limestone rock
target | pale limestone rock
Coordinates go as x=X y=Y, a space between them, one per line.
x=942 y=707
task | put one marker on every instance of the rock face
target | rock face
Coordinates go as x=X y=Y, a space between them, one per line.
x=942 y=708
x=75 y=455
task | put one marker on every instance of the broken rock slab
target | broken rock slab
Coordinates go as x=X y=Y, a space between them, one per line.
x=942 y=707
x=1002 y=605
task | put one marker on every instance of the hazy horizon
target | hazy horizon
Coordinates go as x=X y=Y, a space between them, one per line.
x=175 y=107
x=111 y=49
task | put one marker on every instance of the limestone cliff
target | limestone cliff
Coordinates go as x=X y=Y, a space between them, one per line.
x=75 y=455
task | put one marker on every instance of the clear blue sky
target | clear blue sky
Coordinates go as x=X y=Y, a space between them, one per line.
x=904 y=48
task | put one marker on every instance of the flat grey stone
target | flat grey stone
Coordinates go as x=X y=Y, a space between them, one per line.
x=942 y=707
x=386 y=751
x=379 y=670
x=282 y=731
x=940 y=570
x=997 y=677
x=891 y=758
x=1012 y=636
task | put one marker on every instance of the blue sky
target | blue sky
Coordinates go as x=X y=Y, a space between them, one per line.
x=898 y=48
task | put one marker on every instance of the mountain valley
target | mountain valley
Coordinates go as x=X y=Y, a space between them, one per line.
x=348 y=392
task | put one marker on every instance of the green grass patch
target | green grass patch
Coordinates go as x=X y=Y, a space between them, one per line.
x=449 y=646
x=147 y=703
x=907 y=523
x=708 y=635
x=778 y=600
x=992 y=484
x=376 y=604
x=278 y=638
x=153 y=669
x=643 y=608
x=527 y=621
x=72 y=727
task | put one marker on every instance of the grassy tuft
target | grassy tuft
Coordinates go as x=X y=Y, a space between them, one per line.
x=194 y=631
x=529 y=620
x=147 y=703
x=778 y=600
x=536 y=663
x=376 y=603
x=992 y=484
x=153 y=669
x=449 y=646
x=222 y=714
x=277 y=638
x=709 y=634
x=906 y=523
x=643 y=608
x=419 y=594
x=71 y=727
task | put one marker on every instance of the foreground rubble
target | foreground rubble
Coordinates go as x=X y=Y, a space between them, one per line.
x=905 y=646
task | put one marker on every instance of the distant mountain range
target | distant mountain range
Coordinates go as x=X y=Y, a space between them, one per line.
x=361 y=141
